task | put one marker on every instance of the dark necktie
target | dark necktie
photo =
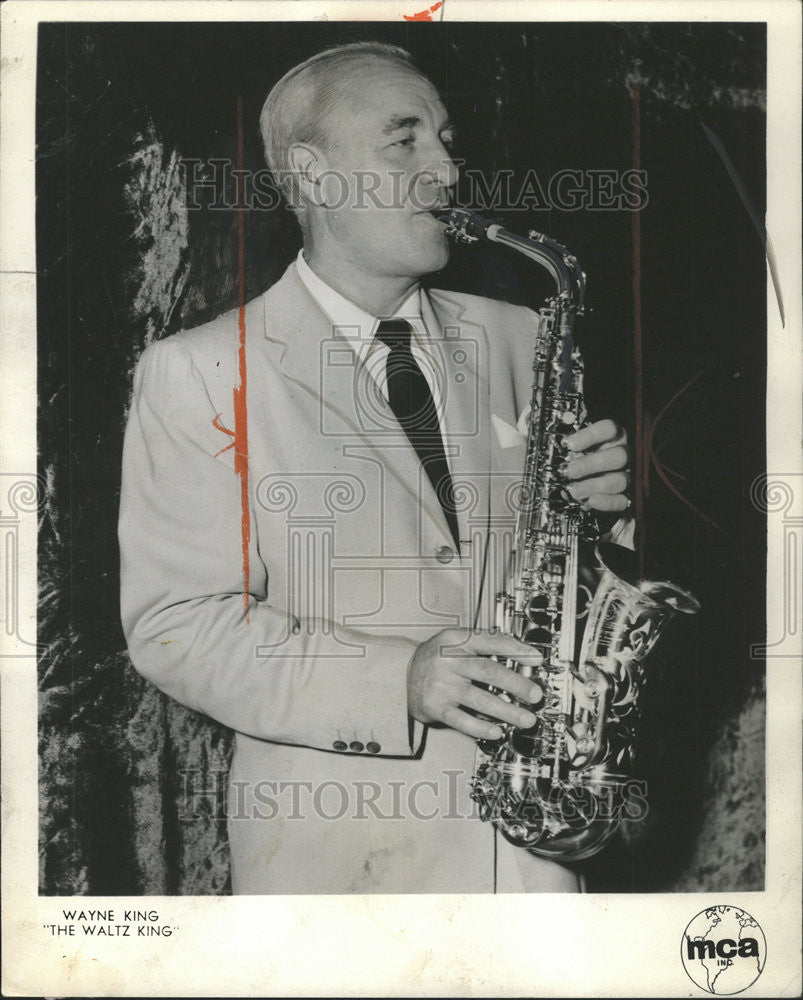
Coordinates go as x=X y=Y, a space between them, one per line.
x=411 y=400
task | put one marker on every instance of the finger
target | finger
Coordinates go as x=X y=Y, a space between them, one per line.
x=463 y=722
x=589 y=464
x=497 y=675
x=504 y=646
x=612 y=503
x=600 y=432
x=620 y=439
x=497 y=708
x=612 y=482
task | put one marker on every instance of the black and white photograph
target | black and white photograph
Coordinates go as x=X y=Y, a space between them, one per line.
x=415 y=500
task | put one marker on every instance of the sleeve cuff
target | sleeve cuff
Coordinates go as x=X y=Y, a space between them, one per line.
x=416 y=733
x=623 y=532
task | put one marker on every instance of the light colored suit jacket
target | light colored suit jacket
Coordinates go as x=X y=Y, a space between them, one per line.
x=351 y=565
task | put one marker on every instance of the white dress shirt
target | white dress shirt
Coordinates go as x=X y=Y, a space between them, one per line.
x=358 y=329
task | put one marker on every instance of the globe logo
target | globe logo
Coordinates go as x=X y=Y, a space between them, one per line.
x=723 y=950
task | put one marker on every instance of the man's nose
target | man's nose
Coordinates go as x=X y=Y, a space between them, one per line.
x=431 y=182
x=445 y=171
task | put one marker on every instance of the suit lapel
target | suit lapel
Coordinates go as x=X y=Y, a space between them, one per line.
x=464 y=354
x=312 y=355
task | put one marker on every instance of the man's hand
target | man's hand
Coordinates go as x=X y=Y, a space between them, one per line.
x=596 y=468
x=441 y=682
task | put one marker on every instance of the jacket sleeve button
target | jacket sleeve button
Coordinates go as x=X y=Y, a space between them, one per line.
x=340 y=745
x=356 y=746
x=373 y=747
x=444 y=554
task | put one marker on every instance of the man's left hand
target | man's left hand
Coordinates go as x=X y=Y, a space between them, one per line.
x=596 y=467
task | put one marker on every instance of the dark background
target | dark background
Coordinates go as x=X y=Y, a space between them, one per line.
x=132 y=785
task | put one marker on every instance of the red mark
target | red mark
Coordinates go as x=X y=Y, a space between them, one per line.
x=646 y=454
x=218 y=426
x=424 y=15
x=240 y=410
x=640 y=471
x=651 y=455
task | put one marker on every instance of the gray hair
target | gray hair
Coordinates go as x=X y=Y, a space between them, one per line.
x=299 y=105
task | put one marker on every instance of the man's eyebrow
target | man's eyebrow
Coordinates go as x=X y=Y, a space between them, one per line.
x=398 y=122
x=401 y=121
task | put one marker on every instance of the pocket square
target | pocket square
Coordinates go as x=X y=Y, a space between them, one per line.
x=507 y=435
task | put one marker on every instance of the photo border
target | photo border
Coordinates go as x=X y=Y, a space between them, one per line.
x=597 y=945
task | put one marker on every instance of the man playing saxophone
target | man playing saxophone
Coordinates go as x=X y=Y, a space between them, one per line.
x=345 y=635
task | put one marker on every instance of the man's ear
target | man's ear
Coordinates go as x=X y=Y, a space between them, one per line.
x=307 y=165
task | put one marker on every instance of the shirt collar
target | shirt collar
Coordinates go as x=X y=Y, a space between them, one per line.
x=353 y=321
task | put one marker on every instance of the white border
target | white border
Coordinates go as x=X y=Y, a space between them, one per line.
x=600 y=945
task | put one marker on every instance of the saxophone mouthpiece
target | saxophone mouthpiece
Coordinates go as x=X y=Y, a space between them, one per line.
x=462 y=224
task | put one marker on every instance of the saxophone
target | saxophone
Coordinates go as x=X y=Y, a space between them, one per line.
x=560 y=789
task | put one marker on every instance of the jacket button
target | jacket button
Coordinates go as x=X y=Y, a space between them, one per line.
x=356 y=746
x=373 y=747
x=444 y=554
x=340 y=745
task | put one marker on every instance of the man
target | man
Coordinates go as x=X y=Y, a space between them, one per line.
x=330 y=616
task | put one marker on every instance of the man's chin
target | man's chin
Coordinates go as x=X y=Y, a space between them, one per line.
x=433 y=253
x=441 y=261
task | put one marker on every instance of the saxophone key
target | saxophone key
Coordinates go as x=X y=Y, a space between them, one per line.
x=490 y=747
x=538 y=635
x=532 y=742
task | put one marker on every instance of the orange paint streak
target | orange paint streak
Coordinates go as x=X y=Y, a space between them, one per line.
x=218 y=426
x=424 y=15
x=240 y=407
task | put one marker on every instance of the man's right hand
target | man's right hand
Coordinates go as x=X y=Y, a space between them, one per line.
x=445 y=670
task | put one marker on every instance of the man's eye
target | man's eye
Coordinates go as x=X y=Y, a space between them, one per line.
x=407 y=141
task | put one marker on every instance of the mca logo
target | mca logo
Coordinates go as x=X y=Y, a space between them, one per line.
x=723 y=950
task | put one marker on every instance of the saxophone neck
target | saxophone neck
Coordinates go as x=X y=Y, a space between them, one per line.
x=569 y=277
x=466 y=226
